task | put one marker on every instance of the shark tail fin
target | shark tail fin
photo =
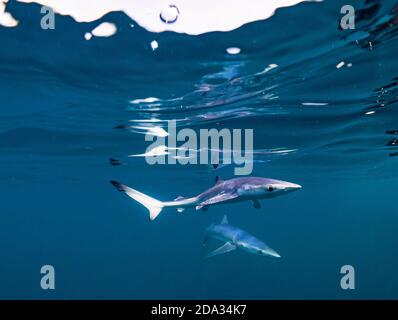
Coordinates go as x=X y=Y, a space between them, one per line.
x=154 y=206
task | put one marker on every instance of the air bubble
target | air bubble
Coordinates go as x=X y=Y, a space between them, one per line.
x=233 y=50
x=169 y=14
x=154 y=45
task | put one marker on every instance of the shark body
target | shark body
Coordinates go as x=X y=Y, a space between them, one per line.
x=236 y=238
x=228 y=191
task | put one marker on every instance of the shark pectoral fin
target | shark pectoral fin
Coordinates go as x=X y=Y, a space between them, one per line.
x=227 y=247
x=256 y=204
x=203 y=207
x=222 y=197
x=180 y=210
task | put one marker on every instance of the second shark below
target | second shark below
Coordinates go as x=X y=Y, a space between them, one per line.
x=236 y=238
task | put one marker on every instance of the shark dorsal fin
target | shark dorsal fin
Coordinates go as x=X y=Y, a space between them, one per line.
x=219 y=180
x=179 y=198
x=224 y=220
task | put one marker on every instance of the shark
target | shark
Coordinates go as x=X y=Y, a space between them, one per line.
x=236 y=238
x=224 y=191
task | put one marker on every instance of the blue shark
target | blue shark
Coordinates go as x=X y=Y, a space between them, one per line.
x=229 y=191
x=236 y=238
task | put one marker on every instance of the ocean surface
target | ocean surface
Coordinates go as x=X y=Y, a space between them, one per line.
x=322 y=103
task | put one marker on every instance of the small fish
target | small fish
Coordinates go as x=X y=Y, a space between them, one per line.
x=234 y=190
x=236 y=238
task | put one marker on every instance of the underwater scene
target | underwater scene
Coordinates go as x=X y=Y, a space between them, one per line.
x=198 y=150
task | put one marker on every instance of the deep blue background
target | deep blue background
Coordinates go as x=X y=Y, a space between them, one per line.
x=64 y=113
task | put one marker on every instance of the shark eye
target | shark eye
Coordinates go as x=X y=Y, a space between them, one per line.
x=270 y=188
x=260 y=252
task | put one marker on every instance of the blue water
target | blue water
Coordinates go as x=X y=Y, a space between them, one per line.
x=65 y=113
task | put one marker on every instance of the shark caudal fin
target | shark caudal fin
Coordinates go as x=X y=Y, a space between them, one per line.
x=154 y=206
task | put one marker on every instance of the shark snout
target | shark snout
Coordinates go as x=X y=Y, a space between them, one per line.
x=271 y=253
x=292 y=186
x=296 y=186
